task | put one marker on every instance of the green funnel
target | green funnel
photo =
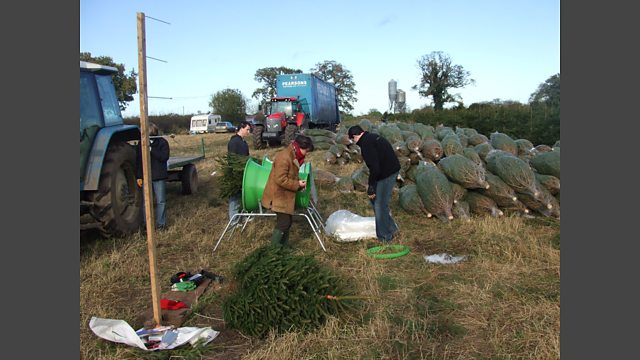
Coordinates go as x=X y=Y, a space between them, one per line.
x=266 y=162
x=255 y=179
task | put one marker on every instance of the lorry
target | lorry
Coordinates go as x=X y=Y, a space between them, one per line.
x=302 y=101
x=202 y=124
x=110 y=199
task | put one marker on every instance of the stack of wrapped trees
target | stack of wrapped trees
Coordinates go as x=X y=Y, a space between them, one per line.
x=339 y=148
x=457 y=173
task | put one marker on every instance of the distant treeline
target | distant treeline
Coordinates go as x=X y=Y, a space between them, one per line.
x=536 y=122
x=168 y=124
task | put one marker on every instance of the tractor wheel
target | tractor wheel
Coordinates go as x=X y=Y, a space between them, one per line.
x=117 y=203
x=290 y=133
x=189 y=179
x=257 y=138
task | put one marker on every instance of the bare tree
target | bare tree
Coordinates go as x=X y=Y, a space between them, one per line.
x=438 y=76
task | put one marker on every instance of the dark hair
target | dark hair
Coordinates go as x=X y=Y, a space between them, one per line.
x=243 y=124
x=153 y=129
x=304 y=142
x=355 y=130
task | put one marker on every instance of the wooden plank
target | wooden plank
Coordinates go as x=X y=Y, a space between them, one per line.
x=146 y=166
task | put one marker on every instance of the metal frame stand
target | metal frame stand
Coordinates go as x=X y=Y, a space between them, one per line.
x=312 y=215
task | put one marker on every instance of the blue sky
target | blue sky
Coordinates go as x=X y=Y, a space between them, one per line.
x=509 y=47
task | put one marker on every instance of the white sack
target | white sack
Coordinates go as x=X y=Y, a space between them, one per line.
x=347 y=226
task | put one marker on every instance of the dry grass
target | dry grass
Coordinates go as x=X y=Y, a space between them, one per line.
x=502 y=302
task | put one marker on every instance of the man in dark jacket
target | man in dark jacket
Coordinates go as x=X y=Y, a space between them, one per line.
x=383 y=170
x=238 y=146
x=159 y=155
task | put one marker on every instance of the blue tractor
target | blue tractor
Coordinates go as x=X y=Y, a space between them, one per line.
x=110 y=199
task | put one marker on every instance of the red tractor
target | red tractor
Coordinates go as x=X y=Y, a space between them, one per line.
x=285 y=117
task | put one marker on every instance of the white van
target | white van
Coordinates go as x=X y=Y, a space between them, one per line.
x=202 y=124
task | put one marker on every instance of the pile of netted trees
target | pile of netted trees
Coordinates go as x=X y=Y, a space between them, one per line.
x=339 y=148
x=455 y=173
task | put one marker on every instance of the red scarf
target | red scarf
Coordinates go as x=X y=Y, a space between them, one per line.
x=296 y=150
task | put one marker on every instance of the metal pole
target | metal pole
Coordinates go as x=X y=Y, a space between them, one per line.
x=146 y=168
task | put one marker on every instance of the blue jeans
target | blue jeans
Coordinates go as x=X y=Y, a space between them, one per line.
x=386 y=227
x=160 y=194
x=235 y=201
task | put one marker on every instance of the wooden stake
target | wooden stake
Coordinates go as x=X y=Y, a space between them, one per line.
x=146 y=167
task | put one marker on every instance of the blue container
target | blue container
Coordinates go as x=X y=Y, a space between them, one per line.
x=317 y=97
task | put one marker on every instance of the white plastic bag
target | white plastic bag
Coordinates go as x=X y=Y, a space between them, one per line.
x=444 y=258
x=121 y=332
x=347 y=226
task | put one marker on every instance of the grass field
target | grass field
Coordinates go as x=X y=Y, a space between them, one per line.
x=502 y=302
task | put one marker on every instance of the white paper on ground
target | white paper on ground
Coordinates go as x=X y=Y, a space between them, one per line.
x=121 y=332
x=347 y=226
x=443 y=258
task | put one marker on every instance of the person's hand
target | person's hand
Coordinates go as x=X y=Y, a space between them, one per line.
x=371 y=192
x=139 y=181
x=302 y=184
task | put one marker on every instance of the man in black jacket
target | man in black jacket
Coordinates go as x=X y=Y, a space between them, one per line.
x=238 y=146
x=159 y=155
x=383 y=170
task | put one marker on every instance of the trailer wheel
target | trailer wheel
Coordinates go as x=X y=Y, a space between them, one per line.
x=117 y=203
x=257 y=138
x=189 y=179
x=290 y=134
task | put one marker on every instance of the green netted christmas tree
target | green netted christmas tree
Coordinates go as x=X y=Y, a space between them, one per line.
x=504 y=142
x=461 y=170
x=391 y=132
x=410 y=201
x=432 y=149
x=451 y=145
x=547 y=163
x=482 y=205
x=280 y=291
x=435 y=191
x=513 y=171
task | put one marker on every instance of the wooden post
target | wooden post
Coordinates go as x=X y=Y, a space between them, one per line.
x=146 y=168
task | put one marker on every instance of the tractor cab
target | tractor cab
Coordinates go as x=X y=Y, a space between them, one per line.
x=282 y=112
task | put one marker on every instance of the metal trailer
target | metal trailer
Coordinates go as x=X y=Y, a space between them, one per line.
x=183 y=169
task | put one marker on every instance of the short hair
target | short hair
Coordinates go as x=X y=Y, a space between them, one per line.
x=153 y=129
x=243 y=124
x=304 y=142
x=355 y=130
